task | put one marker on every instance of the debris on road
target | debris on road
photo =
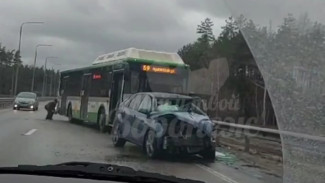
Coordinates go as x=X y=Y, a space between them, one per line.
x=219 y=154
x=226 y=158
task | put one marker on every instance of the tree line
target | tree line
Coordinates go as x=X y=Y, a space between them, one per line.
x=295 y=40
x=9 y=60
x=245 y=79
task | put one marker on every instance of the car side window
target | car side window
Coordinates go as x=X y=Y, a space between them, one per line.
x=127 y=102
x=136 y=102
x=146 y=104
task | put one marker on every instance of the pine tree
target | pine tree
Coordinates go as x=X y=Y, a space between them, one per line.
x=205 y=29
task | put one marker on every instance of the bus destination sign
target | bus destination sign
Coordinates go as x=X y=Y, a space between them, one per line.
x=158 y=69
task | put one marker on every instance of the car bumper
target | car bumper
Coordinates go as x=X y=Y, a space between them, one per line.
x=191 y=144
x=24 y=106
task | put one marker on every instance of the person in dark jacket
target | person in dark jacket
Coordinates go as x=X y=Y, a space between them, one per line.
x=50 y=107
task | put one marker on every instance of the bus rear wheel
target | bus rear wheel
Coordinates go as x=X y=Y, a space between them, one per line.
x=101 y=121
x=70 y=114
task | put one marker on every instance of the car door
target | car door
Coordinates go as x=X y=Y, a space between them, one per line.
x=130 y=114
x=141 y=119
x=84 y=95
x=64 y=96
x=116 y=94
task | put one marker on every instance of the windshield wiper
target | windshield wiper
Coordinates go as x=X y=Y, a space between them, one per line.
x=96 y=171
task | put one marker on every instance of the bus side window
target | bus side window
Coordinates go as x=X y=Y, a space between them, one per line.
x=136 y=101
x=101 y=86
x=73 y=85
x=109 y=79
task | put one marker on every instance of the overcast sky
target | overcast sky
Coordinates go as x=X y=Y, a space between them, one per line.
x=80 y=30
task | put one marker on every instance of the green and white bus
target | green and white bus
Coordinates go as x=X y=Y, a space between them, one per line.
x=91 y=94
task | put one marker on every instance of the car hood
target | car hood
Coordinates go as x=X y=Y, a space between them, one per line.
x=196 y=120
x=26 y=100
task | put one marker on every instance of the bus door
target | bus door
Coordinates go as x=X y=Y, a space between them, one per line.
x=84 y=94
x=64 y=95
x=116 y=92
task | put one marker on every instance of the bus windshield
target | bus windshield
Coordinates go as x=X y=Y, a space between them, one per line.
x=166 y=83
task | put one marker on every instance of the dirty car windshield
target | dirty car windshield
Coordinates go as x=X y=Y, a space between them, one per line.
x=209 y=90
x=178 y=105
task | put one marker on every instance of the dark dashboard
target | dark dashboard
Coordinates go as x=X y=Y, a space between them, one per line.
x=4 y=178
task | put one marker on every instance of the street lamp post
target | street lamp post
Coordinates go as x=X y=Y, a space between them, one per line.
x=55 y=82
x=51 y=81
x=14 y=88
x=34 y=66
x=44 y=78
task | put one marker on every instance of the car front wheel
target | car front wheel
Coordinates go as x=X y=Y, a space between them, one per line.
x=151 y=145
x=116 y=136
x=209 y=154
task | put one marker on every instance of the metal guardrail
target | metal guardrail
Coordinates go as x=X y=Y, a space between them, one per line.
x=254 y=132
x=5 y=96
x=8 y=102
x=5 y=102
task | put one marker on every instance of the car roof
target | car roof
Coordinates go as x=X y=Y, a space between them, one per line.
x=27 y=92
x=166 y=95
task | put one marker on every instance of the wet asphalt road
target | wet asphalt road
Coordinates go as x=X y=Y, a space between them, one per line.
x=26 y=138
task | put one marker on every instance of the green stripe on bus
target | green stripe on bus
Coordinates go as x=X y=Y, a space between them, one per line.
x=76 y=114
x=92 y=117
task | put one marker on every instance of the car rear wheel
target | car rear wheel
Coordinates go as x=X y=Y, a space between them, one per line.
x=151 y=145
x=118 y=141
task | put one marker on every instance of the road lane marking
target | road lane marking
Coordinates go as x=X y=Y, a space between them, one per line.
x=217 y=174
x=31 y=132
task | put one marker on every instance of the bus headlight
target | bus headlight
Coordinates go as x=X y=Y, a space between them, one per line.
x=32 y=107
x=15 y=105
